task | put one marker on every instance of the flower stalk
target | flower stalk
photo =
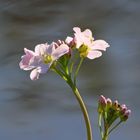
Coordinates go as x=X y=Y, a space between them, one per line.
x=83 y=108
x=72 y=84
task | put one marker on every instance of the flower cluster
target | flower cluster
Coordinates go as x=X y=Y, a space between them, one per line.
x=42 y=58
x=45 y=55
x=111 y=111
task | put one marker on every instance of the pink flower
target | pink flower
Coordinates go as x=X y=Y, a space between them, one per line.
x=42 y=58
x=86 y=45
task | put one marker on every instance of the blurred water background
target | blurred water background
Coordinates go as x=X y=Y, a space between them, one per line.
x=47 y=109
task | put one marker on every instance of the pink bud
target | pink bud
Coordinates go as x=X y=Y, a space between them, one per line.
x=127 y=112
x=102 y=100
x=123 y=108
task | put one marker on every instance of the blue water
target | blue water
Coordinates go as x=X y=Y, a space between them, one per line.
x=47 y=109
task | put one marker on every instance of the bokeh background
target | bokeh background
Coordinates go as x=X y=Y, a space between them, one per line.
x=47 y=109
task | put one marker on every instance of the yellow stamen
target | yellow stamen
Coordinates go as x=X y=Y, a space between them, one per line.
x=47 y=59
x=83 y=50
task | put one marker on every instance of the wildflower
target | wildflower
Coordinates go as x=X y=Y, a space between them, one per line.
x=42 y=58
x=86 y=45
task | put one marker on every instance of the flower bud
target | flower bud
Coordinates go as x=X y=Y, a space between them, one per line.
x=123 y=109
x=70 y=41
x=126 y=115
x=102 y=100
x=102 y=103
x=109 y=102
x=116 y=103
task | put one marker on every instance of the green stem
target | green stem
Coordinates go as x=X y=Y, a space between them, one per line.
x=77 y=70
x=71 y=67
x=100 y=125
x=105 y=137
x=106 y=133
x=69 y=81
x=115 y=126
x=83 y=108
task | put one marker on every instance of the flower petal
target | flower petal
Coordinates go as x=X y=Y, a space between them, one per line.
x=81 y=38
x=51 y=48
x=43 y=68
x=35 y=61
x=39 y=49
x=100 y=45
x=34 y=75
x=24 y=63
x=78 y=40
x=94 y=54
x=29 y=52
x=61 y=50
x=77 y=30
x=88 y=33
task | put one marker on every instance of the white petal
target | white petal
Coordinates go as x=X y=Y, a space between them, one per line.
x=99 y=45
x=79 y=40
x=77 y=30
x=25 y=62
x=40 y=49
x=43 y=68
x=50 y=48
x=25 y=67
x=35 y=61
x=29 y=52
x=88 y=33
x=61 y=50
x=94 y=54
x=34 y=75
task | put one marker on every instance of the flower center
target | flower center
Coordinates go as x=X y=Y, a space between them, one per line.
x=83 y=50
x=47 y=59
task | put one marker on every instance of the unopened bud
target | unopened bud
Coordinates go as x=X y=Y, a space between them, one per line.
x=101 y=104
x=116 y=103
x=123 y=109
x=125 y=116
x=69 y=41
x=109 y=102
x=102 y=100
x=127 y=112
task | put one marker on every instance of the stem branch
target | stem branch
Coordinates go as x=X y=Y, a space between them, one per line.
x=77 y=70
x=83 y=108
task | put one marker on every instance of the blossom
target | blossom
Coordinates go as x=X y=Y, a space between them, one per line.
x=87 y=46
x=40 y=60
